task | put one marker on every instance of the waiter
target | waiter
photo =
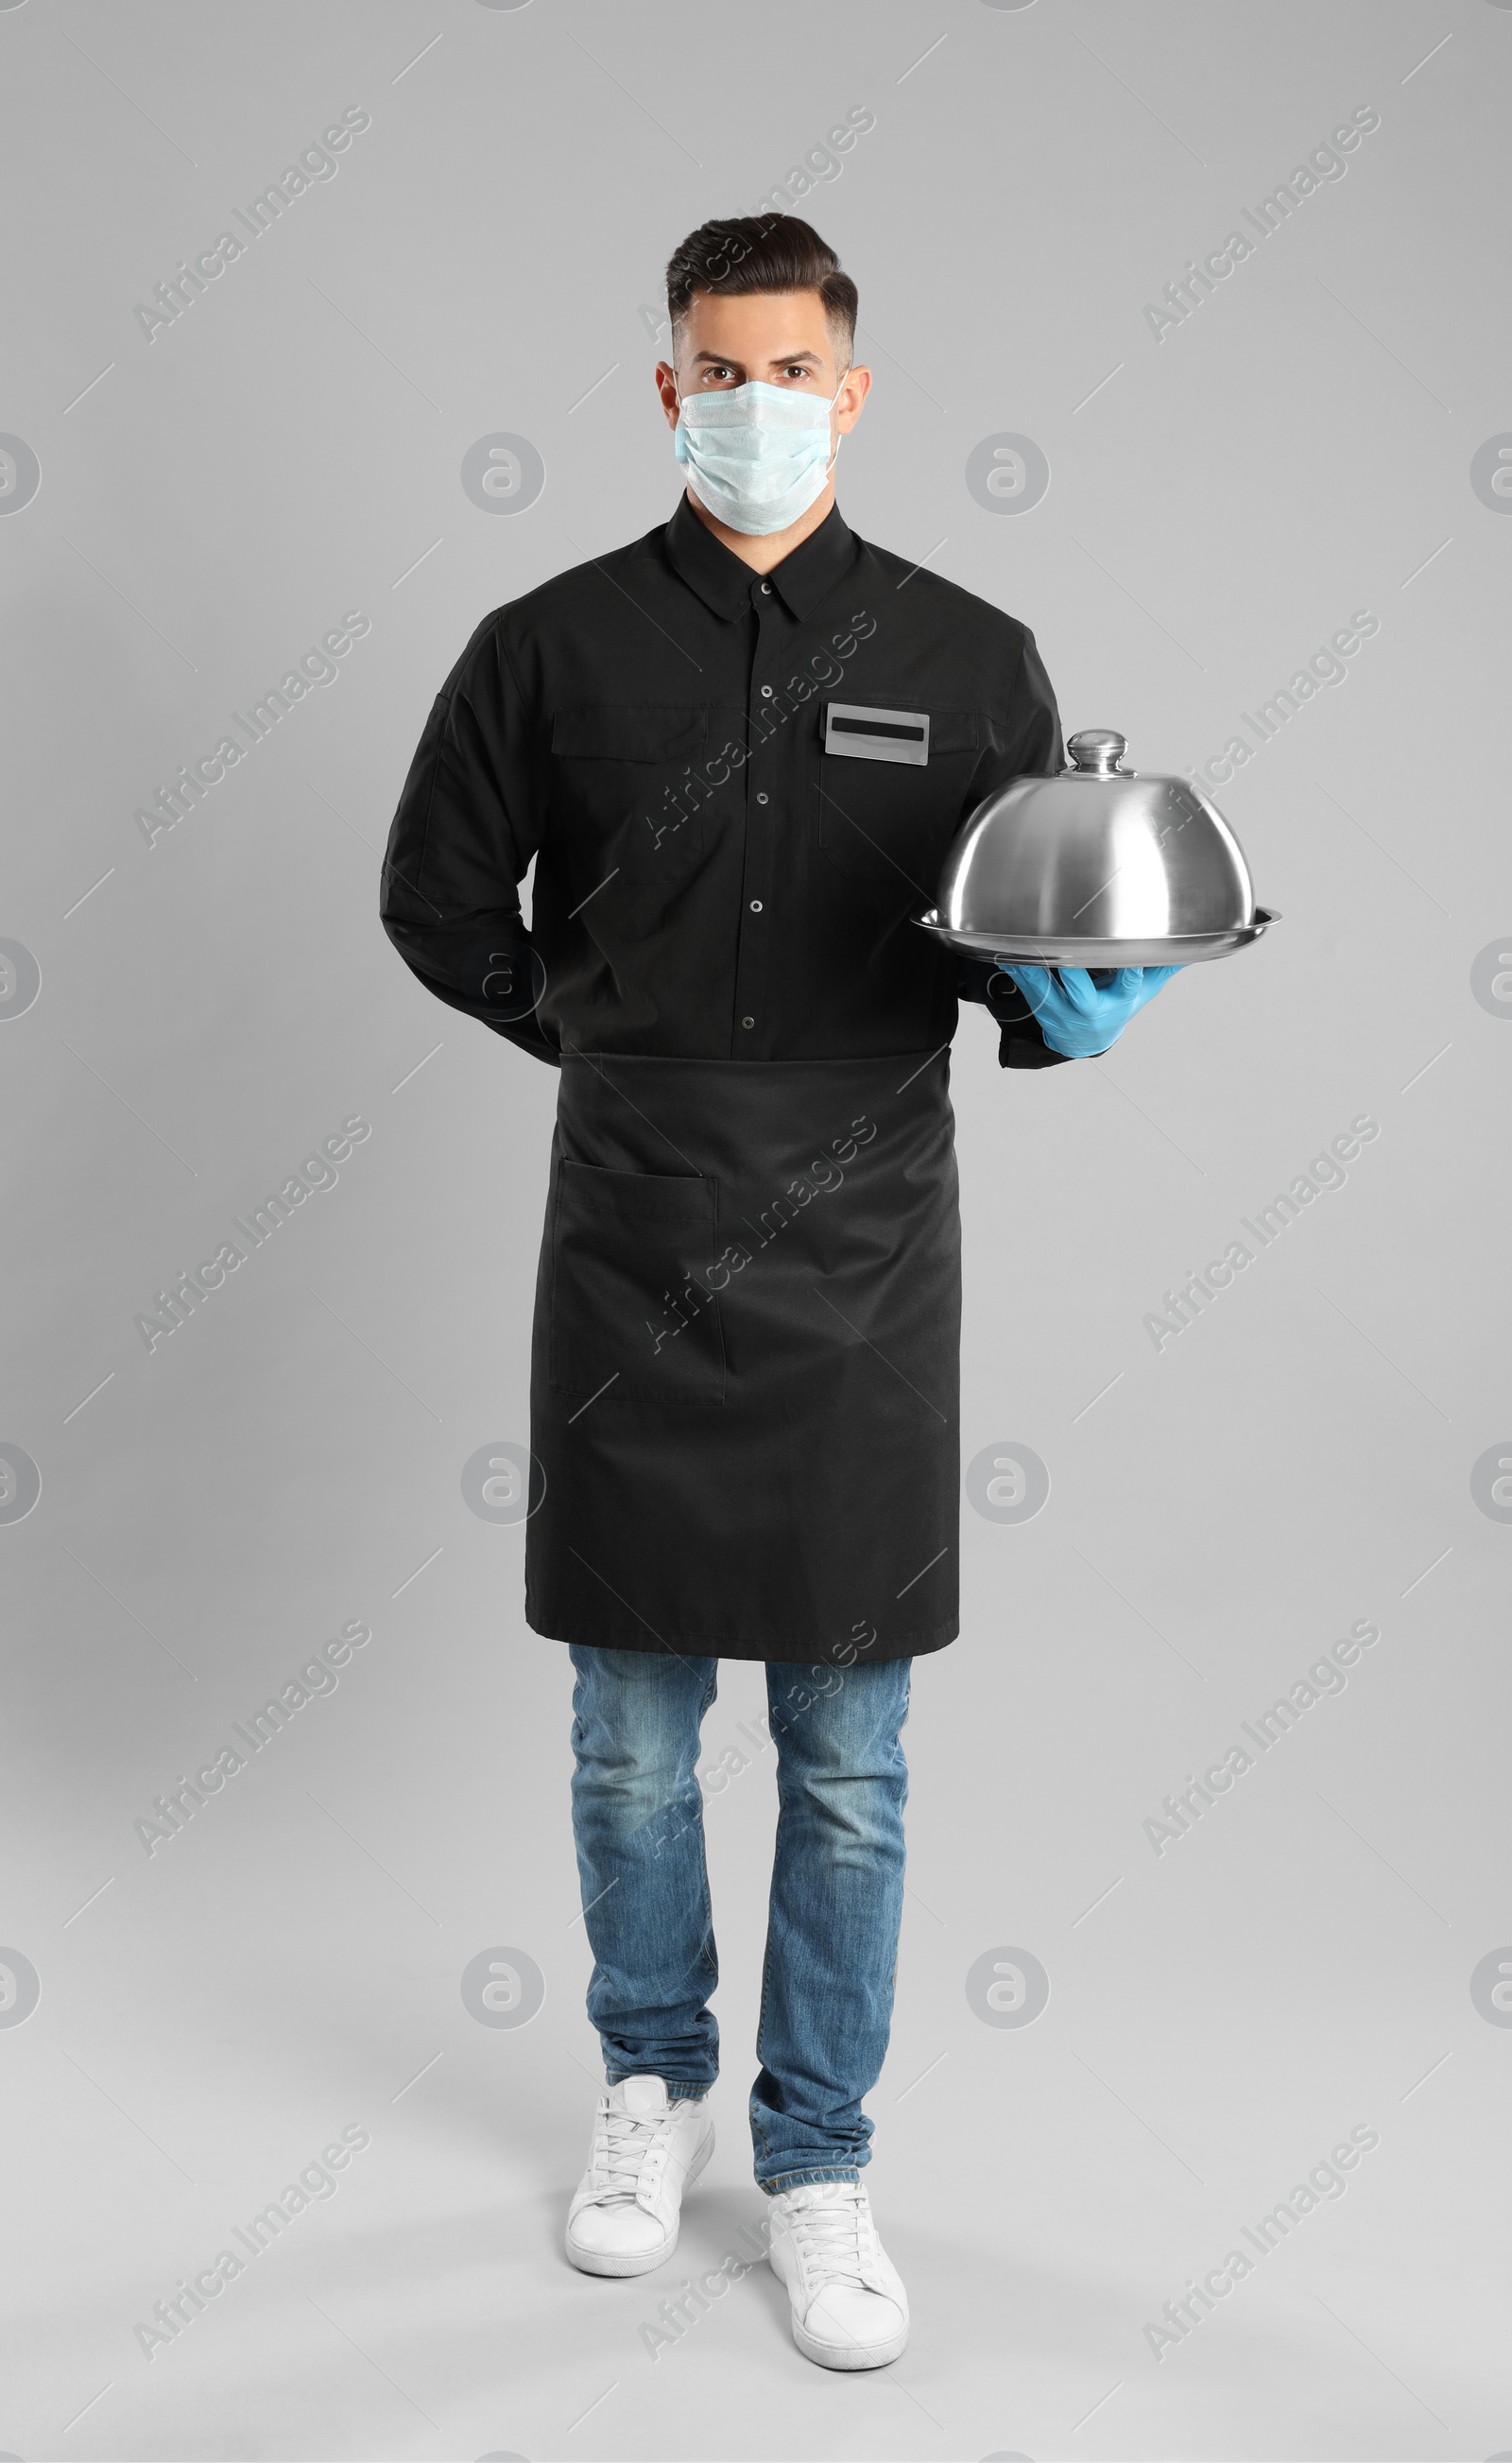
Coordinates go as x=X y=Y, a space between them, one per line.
x=738 y=751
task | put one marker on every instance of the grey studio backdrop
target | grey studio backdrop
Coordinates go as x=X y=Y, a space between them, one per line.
x=1254 y=501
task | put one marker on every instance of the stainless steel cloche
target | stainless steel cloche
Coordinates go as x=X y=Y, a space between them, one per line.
x=1100 y=866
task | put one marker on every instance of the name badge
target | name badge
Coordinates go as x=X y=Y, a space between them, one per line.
x=862 y=734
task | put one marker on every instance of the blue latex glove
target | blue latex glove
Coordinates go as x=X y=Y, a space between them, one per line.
x=1079 y=1018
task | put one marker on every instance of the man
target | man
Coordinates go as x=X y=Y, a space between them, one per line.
x=738 y=751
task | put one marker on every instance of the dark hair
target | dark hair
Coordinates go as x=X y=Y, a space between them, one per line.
x=760 y=253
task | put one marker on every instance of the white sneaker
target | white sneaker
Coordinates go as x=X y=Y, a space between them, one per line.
x=623 y=2218
x=850 y=2310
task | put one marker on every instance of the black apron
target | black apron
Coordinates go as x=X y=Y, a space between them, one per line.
x=746 y=1368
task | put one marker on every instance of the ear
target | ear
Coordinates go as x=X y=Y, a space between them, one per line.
x=854 y=386
x=666 y=384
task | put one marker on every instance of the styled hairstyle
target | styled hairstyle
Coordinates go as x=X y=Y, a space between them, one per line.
x=760 y=252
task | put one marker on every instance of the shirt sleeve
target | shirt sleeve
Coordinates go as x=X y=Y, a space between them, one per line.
x=1023 y=741
x=469 y=820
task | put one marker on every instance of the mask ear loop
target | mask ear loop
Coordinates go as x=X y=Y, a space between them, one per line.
x=839 y=440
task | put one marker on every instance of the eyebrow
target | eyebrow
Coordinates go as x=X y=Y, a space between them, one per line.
x=778 y=359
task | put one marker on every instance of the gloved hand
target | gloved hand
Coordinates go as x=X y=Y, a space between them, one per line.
x=1079 y=1018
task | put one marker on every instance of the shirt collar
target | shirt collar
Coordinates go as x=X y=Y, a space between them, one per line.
x=720 y=578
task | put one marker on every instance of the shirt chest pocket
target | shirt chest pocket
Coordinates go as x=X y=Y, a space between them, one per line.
x=621 y=774
x=888 y=825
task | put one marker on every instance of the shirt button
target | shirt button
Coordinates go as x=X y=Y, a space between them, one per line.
x=765 y=692
x=763 y=799
x=765 y=590
x=748 y=1022
x=755 y=905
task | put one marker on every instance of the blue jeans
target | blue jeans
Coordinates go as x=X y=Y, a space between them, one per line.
x=837 y=1891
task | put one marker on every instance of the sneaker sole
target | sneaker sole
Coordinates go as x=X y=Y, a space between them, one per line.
x=849 y=2356
x=623 y=2262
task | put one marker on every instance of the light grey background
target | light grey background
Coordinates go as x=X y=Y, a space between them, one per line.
x=1220 y=501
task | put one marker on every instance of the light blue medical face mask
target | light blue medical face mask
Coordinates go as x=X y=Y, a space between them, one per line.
x=759 y=455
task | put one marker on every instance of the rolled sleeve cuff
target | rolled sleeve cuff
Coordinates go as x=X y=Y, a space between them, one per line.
x=462 y=965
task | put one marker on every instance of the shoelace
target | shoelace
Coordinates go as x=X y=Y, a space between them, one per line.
x=624 y=2140
x=830 y=2240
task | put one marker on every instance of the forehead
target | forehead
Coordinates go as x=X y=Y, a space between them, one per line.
x=757 y=327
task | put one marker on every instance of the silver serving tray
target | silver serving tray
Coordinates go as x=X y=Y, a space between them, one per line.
x=1084 y=949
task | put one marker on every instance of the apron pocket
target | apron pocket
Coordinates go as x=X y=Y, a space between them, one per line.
x=631 y=1316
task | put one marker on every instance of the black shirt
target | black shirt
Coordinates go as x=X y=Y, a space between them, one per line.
x=709 y=881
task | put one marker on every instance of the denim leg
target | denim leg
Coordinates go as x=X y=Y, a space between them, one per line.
x=637 y=1823
x=836 y=1904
